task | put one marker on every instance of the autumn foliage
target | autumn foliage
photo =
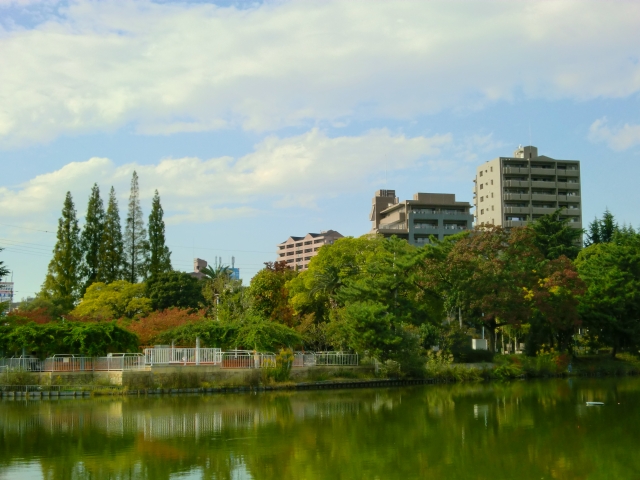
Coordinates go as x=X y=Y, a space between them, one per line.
x=149 y=327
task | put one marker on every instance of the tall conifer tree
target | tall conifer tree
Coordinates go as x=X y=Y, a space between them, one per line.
x=111 y=264
x=63 y=282
x=159 y=254
x=135 y=237
x=91 y=238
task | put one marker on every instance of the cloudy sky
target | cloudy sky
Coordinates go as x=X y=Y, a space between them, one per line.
x=260 y=120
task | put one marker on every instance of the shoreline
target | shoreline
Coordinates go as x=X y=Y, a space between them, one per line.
x=303 y=386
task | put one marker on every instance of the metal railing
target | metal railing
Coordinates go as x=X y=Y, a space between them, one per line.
x=336 y=358
x=113 y=362
x=247 y=359
x=182 y=355
x=304 y=359
x=25 y=364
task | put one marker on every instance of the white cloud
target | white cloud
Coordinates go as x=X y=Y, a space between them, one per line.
x=171 y=67
x=618 y=138
x=280 y=173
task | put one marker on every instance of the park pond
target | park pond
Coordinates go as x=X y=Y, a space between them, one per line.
x=538 y=429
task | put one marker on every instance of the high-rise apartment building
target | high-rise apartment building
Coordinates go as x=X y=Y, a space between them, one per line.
x=513 y=191
x=298 y=251
x=436 y=214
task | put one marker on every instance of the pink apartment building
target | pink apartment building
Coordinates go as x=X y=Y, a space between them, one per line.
x=298 y=251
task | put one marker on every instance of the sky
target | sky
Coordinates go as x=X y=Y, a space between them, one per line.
x=260 y=120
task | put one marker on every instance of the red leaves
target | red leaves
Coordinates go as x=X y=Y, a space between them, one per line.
x=149 y=327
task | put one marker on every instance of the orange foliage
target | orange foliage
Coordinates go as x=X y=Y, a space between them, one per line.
x=39 y=315
x=149 y=327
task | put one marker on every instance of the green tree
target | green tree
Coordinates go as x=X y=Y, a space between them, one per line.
x=269 y=293
x=159 y=254
x=111 y=263
x=554 y=236
x=174 y=289
x=4 y=271
x=610 y=307
x=118 y=299
x=63 y=282
x=602 y=230
x=136 y=246
x=91 y=238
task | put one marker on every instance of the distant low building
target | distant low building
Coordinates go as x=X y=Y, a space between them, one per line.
x=298 y=251
x=199 y=264
x=437 y=214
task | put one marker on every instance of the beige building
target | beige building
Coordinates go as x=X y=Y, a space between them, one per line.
x=512 y=191
x=437 y=214
x=298 y=251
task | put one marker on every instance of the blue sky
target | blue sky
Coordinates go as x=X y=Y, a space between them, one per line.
x=260 y=120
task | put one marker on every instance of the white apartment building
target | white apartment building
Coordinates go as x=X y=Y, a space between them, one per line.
x=513 y=191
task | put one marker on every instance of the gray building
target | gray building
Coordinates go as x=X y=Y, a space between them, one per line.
x=437 y=214
x=513 y=191
x=298 y=251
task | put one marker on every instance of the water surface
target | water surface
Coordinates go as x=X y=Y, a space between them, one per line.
x=521 y=430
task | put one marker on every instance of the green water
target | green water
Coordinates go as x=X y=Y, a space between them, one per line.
x=522 y=430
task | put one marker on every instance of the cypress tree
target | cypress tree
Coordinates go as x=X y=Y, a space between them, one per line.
x=91 y=238
x=111 y=264
x=159 y=254
x=63 y=282
x=135 y=237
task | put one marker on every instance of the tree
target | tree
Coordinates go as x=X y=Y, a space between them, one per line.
x=111 y=264
x=174 y=289
x=63 y=282
x=269 y=293
x=136 y=246
x=148 y=328
x=554 y=237
x=602 y=230
x=119 y=299
x=4 y=271
x=159 y=254
x=91 y=238
x=610 y=306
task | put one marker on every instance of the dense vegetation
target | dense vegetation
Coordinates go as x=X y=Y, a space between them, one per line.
x=382 y=298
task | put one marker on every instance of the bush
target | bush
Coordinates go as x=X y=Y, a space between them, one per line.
x=284 y=361
x=150 y=327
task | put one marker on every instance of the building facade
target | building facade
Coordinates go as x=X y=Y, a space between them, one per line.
x=513 y=191
x=437 y=214
x=298 y=251
x=6 y=291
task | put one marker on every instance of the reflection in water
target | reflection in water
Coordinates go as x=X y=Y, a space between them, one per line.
x=517 y=430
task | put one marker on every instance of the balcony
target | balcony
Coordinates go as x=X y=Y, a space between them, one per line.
x=550 y=184
x=543 y=171
x=515 y=223
x=517 y=196
x=570 y=186
x=516 y=183
x=393 y=226
x=515 y=171
x=453 y=226
x=543 y=197
x=569 y=198
x=543 y=210
x=425 y=226
x=571 y=212
x=569 y=173
x=523 y=210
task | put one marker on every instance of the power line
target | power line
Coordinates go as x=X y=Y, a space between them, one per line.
x=26 y=228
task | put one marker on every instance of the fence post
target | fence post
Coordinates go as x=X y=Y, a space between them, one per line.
x=197 y=350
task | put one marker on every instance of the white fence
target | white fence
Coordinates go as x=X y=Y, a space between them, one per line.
x=336 y=358
x=182 y=355
x=173 y=356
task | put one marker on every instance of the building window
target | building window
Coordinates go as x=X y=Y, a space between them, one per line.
x=492 y=171
x=480 y=172
x=491 y=194
x=492 y=208
x=491 y=182
x=481 y=186
x=482 y=199
x=482 y=212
